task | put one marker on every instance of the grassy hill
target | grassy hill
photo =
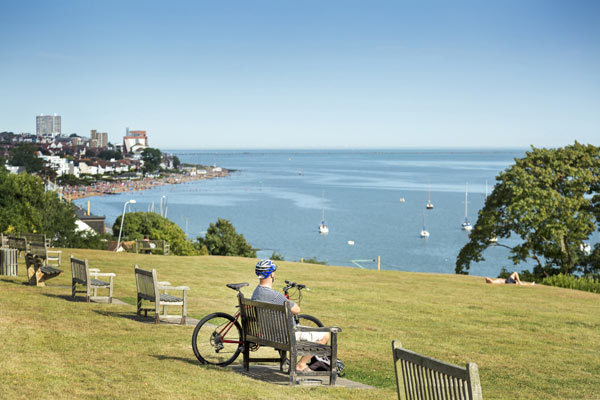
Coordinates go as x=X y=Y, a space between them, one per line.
x=529 y=342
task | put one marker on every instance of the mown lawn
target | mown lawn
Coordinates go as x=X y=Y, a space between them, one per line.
x=529 y=342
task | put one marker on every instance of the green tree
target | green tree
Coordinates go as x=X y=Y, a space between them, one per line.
x=176 y=162
x=140 y=224
x=152 y=159
x=221 y=239
x=24 y=155
x=545 y=200
x=109 y=154
x=26 y=207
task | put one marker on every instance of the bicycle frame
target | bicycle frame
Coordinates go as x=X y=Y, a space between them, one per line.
x=223 y=332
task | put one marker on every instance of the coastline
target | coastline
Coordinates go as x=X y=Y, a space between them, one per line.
x=134 y=185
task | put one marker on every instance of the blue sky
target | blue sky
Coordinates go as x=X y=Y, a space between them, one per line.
x=306 y=74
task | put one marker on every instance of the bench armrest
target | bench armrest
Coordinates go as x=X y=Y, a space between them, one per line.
x=301 y=328
x=184 y=288
x=103 y=273
x=164 y=283
x=57 y=252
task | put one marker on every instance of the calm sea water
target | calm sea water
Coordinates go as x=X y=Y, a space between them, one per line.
x=276 y=198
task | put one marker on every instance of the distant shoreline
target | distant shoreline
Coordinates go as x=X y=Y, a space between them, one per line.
x=102 y=188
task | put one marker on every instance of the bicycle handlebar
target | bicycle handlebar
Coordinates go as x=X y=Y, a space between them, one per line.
x=291 y=284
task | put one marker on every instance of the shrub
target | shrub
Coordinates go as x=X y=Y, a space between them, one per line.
x=277 y=256
x=573 y=282
x=312 y=261
x=222 y=240
x=140 y=224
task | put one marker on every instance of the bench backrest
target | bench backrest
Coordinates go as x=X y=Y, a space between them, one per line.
x=146 y=282
x=38 y=249
x=33 y=237
x=267 y=324
x=422 y=377
x=80 y=270
x=17 y=243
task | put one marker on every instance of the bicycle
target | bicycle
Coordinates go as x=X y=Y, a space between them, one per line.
x=217 y=338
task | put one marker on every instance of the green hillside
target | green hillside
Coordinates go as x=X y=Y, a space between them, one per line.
x=529 y=342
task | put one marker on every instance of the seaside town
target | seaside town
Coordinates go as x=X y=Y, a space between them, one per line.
x=77 y=166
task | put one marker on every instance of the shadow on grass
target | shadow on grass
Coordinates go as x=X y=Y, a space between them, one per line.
x=191 y=361
x=68 y=297
x=16 y=282
x=127 y=315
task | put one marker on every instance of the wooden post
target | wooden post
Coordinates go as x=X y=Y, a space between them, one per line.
x=378 y=263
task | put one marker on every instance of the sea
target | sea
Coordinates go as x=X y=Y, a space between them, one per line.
x=373 y=202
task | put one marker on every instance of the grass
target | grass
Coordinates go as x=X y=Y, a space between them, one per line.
x=529 y=342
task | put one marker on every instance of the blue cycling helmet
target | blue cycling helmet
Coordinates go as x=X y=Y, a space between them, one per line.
x=264 y=268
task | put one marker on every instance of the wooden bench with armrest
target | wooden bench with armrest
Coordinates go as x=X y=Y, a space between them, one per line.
x=422 y=377
x=148 y=288
x=273 y=325
x=40 y=249
x=88 y=277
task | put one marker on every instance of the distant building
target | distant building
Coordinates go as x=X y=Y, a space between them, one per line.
x=98 y=139
x=47 y=125
x=135 y=141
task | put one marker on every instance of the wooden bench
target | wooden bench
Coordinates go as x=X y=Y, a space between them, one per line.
x=17 y=243
x=148 y=288
x=152 y=246
x=273 y=325
x=35 y=237
x=40 y=249
x=421 y=377
x=37 y=271
x=83 y=275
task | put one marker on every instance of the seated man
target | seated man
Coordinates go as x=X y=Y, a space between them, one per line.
x=265 y=269
x=512 y=279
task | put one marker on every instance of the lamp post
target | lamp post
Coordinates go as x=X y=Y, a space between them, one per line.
x=123 y=219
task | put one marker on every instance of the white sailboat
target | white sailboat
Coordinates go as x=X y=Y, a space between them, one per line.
x=323 y=230
x=466 y=226
x=429 y=205
x=424 y=232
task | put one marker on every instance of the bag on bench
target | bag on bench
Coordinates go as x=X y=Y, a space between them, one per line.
x=318 y=363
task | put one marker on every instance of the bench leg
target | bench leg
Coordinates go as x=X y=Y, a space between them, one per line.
x=246 y=356
x=73 y=288
x=110 y=293
x=333 y=360
x=139 y=306
x=293 y=362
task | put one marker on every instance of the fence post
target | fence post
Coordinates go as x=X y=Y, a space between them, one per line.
x=378 y=263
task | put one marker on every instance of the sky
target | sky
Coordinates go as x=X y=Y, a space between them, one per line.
x=306 y=74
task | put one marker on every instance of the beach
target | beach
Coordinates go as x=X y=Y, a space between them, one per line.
x=100 y=188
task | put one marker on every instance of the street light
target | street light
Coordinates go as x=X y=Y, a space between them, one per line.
x=123 y=219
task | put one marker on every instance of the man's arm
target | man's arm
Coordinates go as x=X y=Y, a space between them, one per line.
x=295 y=309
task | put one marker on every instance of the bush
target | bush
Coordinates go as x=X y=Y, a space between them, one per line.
x=312 y=261
x=277 y=256
x=573 y=282
x=140 y=224
x=222 y=240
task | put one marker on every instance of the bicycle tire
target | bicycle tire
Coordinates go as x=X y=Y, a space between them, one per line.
x=309 y=320
x=207 y=342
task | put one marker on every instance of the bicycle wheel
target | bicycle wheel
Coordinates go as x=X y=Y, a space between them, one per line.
x=217 y=339
x=309 y=320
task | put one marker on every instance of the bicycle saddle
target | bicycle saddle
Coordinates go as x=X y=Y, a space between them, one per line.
x=236 y=286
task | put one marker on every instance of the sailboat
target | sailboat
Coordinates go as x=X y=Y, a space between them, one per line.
x=424 y=232
x=429 y=204
x=323 y=230
x=466 y=226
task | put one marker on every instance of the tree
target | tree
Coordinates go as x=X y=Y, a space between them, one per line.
x=26 y=207
x=152 y=159
x=222 y=240
x=176 y=162
x=24 y=155
x=140 y=224
x=110 y=154
x=544 y=200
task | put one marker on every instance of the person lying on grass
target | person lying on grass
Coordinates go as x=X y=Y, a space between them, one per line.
x=265 y=270
x=512 y=279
